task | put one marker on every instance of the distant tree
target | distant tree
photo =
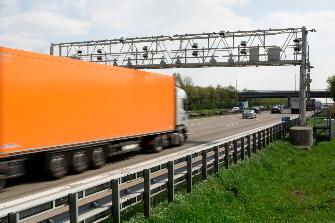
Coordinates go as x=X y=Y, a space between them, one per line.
x=182 y=82
x=206 y=97
x=75 y=56
x=331 y=85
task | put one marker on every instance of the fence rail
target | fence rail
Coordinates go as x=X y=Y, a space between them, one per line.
x=107 y=195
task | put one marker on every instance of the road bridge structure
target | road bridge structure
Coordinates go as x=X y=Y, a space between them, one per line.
x=282 y=94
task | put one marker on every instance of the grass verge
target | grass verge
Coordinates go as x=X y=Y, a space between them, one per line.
x=280 y=184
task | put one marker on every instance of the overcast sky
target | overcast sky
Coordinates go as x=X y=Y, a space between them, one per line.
x=34 y=24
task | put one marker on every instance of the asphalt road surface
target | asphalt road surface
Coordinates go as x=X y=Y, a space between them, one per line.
x=201 y=130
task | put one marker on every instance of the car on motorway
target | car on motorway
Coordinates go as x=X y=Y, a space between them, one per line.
x=276 y=109
x=235 y=109
x=256 y=109
x=249 y=114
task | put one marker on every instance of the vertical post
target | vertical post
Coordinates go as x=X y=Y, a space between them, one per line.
x=115 y=201
x=147 y=192
x=263 y=139
x=259 y=140
x=189 y=173
x=275 y=133
x=73 y=207
x=302 y=92
x=271 y=134
x=204 y=164
x=170 y=181
x=226 y=155
x=51 y=49
x=216 y=159
x=283 y=130
x=249 y=145
x=235 y=151
x=254 y=142
x=13 y=218
x=59 y=50
x=267 y=136
x=279 y=131
x=242 y=148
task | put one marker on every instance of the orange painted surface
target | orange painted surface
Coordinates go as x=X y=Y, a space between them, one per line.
x=47 y=101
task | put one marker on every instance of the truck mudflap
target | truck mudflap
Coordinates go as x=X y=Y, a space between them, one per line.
x=3 y=173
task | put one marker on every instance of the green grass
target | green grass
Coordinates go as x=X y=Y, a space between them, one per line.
x=280 y=184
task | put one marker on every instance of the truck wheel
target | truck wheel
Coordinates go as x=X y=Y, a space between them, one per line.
x=181 y=139
x=80 y=161
x=157 y=145
x=57 y=165
x=98 y=158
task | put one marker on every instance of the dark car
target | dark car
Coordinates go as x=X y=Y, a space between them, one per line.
x=276 y=109
x=257 y=110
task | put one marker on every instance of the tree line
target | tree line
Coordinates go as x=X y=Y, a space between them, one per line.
x=209 y=97
x=219 y=97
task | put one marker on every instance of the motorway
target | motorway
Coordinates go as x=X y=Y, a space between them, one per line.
x=201 y=130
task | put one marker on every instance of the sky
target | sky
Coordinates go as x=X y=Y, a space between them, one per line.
x=34 y=24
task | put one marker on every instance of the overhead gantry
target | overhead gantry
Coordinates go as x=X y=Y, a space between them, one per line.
x=270 y=47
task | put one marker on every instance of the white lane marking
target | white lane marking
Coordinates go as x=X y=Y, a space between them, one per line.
x=232 y=124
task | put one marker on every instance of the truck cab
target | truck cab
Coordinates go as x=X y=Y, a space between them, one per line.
x=181 y=114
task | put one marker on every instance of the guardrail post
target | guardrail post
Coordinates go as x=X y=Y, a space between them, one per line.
x=13 y=218
x=189 y=173
x=259 y=140
x=147 y=192
x=204 y=164
x=278 y=133
x=226 y=155
x=249 y=145
x=271 y=134
x=267 y=136
x=235 y=151
x=263 y=139
x=115 y=201
x=216 y=159
x=73 y=207
x=254 y=143
x=242 y=148
x=170 y=181
x=283 y=130
x=275 y=133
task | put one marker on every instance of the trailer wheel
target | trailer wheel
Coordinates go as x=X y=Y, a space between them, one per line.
x=157 y=145
x=57 y=165
x=2 y=184
x=80 y=161
x=98 y=158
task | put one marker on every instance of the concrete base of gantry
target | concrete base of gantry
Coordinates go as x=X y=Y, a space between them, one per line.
x=302 y=136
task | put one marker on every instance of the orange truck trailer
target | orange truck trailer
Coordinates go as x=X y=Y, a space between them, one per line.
x=69 y=115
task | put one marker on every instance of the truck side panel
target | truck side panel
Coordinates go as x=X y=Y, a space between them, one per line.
x=47 y=101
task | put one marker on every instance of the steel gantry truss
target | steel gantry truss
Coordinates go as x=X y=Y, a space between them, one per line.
x=271 y=47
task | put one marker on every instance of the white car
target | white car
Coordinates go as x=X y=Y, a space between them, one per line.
x=234 y=109
x=248 y=114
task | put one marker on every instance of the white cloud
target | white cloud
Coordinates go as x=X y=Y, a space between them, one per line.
x=321 y=43
x=28 y=30
x=9 y=7
x=150 y=17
